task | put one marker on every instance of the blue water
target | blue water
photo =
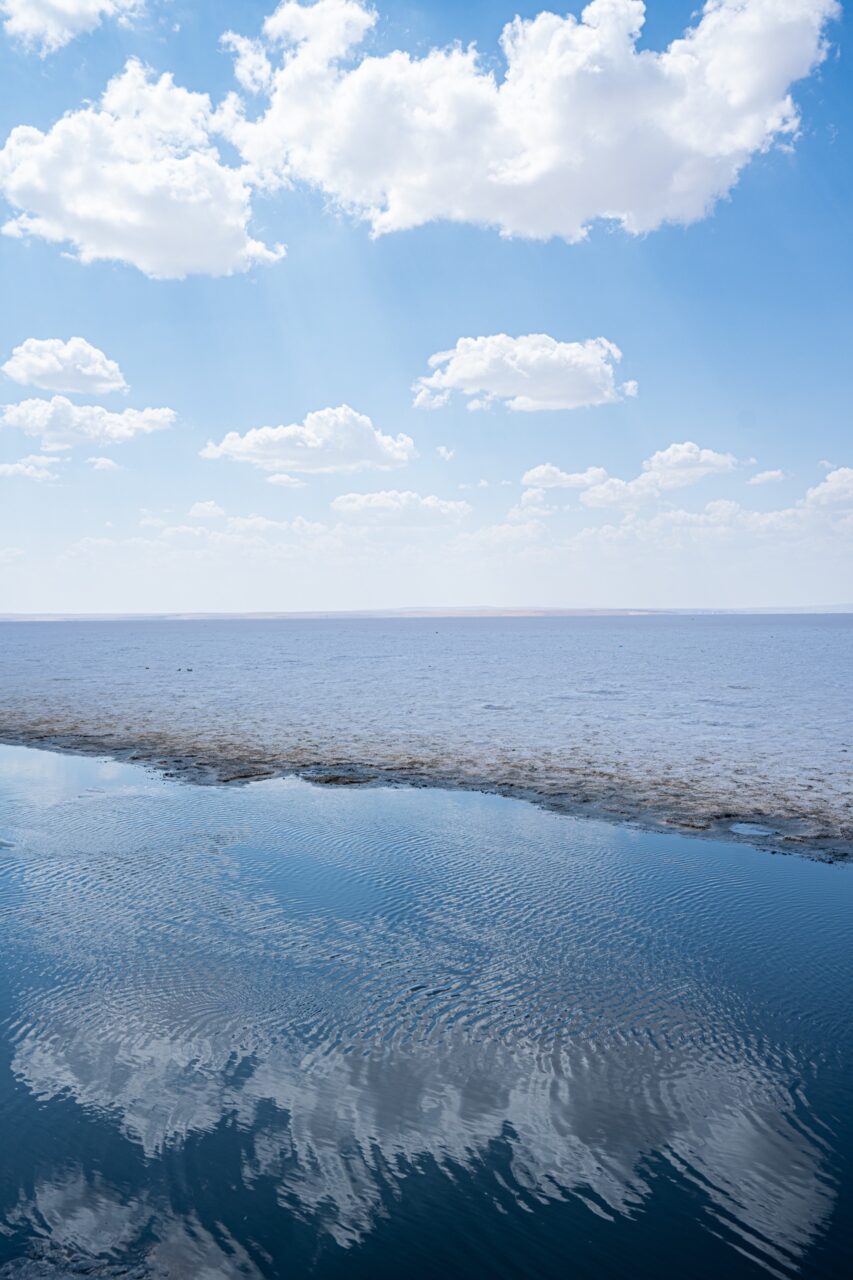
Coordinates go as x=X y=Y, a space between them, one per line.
x=286 y=1030
x=719 y=724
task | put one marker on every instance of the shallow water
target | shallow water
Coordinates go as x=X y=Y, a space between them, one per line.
x=704 y=723
x=287 y=1030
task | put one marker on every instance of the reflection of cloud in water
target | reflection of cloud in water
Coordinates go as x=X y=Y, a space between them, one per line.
x=367 y=1004
x=581 y=1119
x=82 y=1223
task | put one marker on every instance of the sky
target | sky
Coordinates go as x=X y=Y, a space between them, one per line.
x=328 y=306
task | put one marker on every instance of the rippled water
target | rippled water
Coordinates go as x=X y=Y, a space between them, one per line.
x=740 y=725
x=281 y=1030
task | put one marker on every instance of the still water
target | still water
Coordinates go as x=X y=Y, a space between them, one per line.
x=283 y=1030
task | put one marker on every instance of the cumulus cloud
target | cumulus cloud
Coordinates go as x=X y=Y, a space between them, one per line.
x=676 y=467
x=205 y=511
x=823 y=516
x=532 y=505
x=74 y=366
x=715 y=522
x=724 y=519
x=47 y=25
x=328 y=29
x=34 y=467
x=283 y=481
x=135 y=179
x=249 y=535
x=61 y=424
x=258 y=524
x=528 y=373
x=547 y=476
x=835 y=490
x=399 y=504
x=766 y=477
x=445 y=453
x=579 y=124
x=251 y=64
x=103 y=464
x=328 y=440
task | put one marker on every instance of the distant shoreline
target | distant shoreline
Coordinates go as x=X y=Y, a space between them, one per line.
x=414 y=614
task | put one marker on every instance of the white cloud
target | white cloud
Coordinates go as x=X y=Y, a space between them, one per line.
x=47 y=25
x=836 y=489
x=676 y=467
x=500 y=539
x=257 y=524
x=249 y=535
x=283 y=481
x=533 y=504
x=8 y=555
x=685 y=463
x=238 y=531
x=61 y=424
x=205 y=511
x=328 y=440
x=581 y=125
x=263 y=524
x=150 y=519
x=766 y=477
x=446 y=454
x=399 y=504
x=547 y=476
x=722 y=520
x=103 y=464
x=825 y=512
x=817 y=526
x=251 y=64
x=74 y=366
x=328 y=29
x=134 y=179
x=33 y=467
x=528 y=373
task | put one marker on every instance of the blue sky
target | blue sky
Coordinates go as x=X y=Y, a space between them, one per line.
x=724 y=283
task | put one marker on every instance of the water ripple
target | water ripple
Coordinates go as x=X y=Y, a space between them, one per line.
x=356 y=993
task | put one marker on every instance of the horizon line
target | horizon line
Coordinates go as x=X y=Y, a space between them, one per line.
x=460 y=611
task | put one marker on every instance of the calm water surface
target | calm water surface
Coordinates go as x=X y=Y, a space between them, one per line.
x=281 y=1030
x=704 y=723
